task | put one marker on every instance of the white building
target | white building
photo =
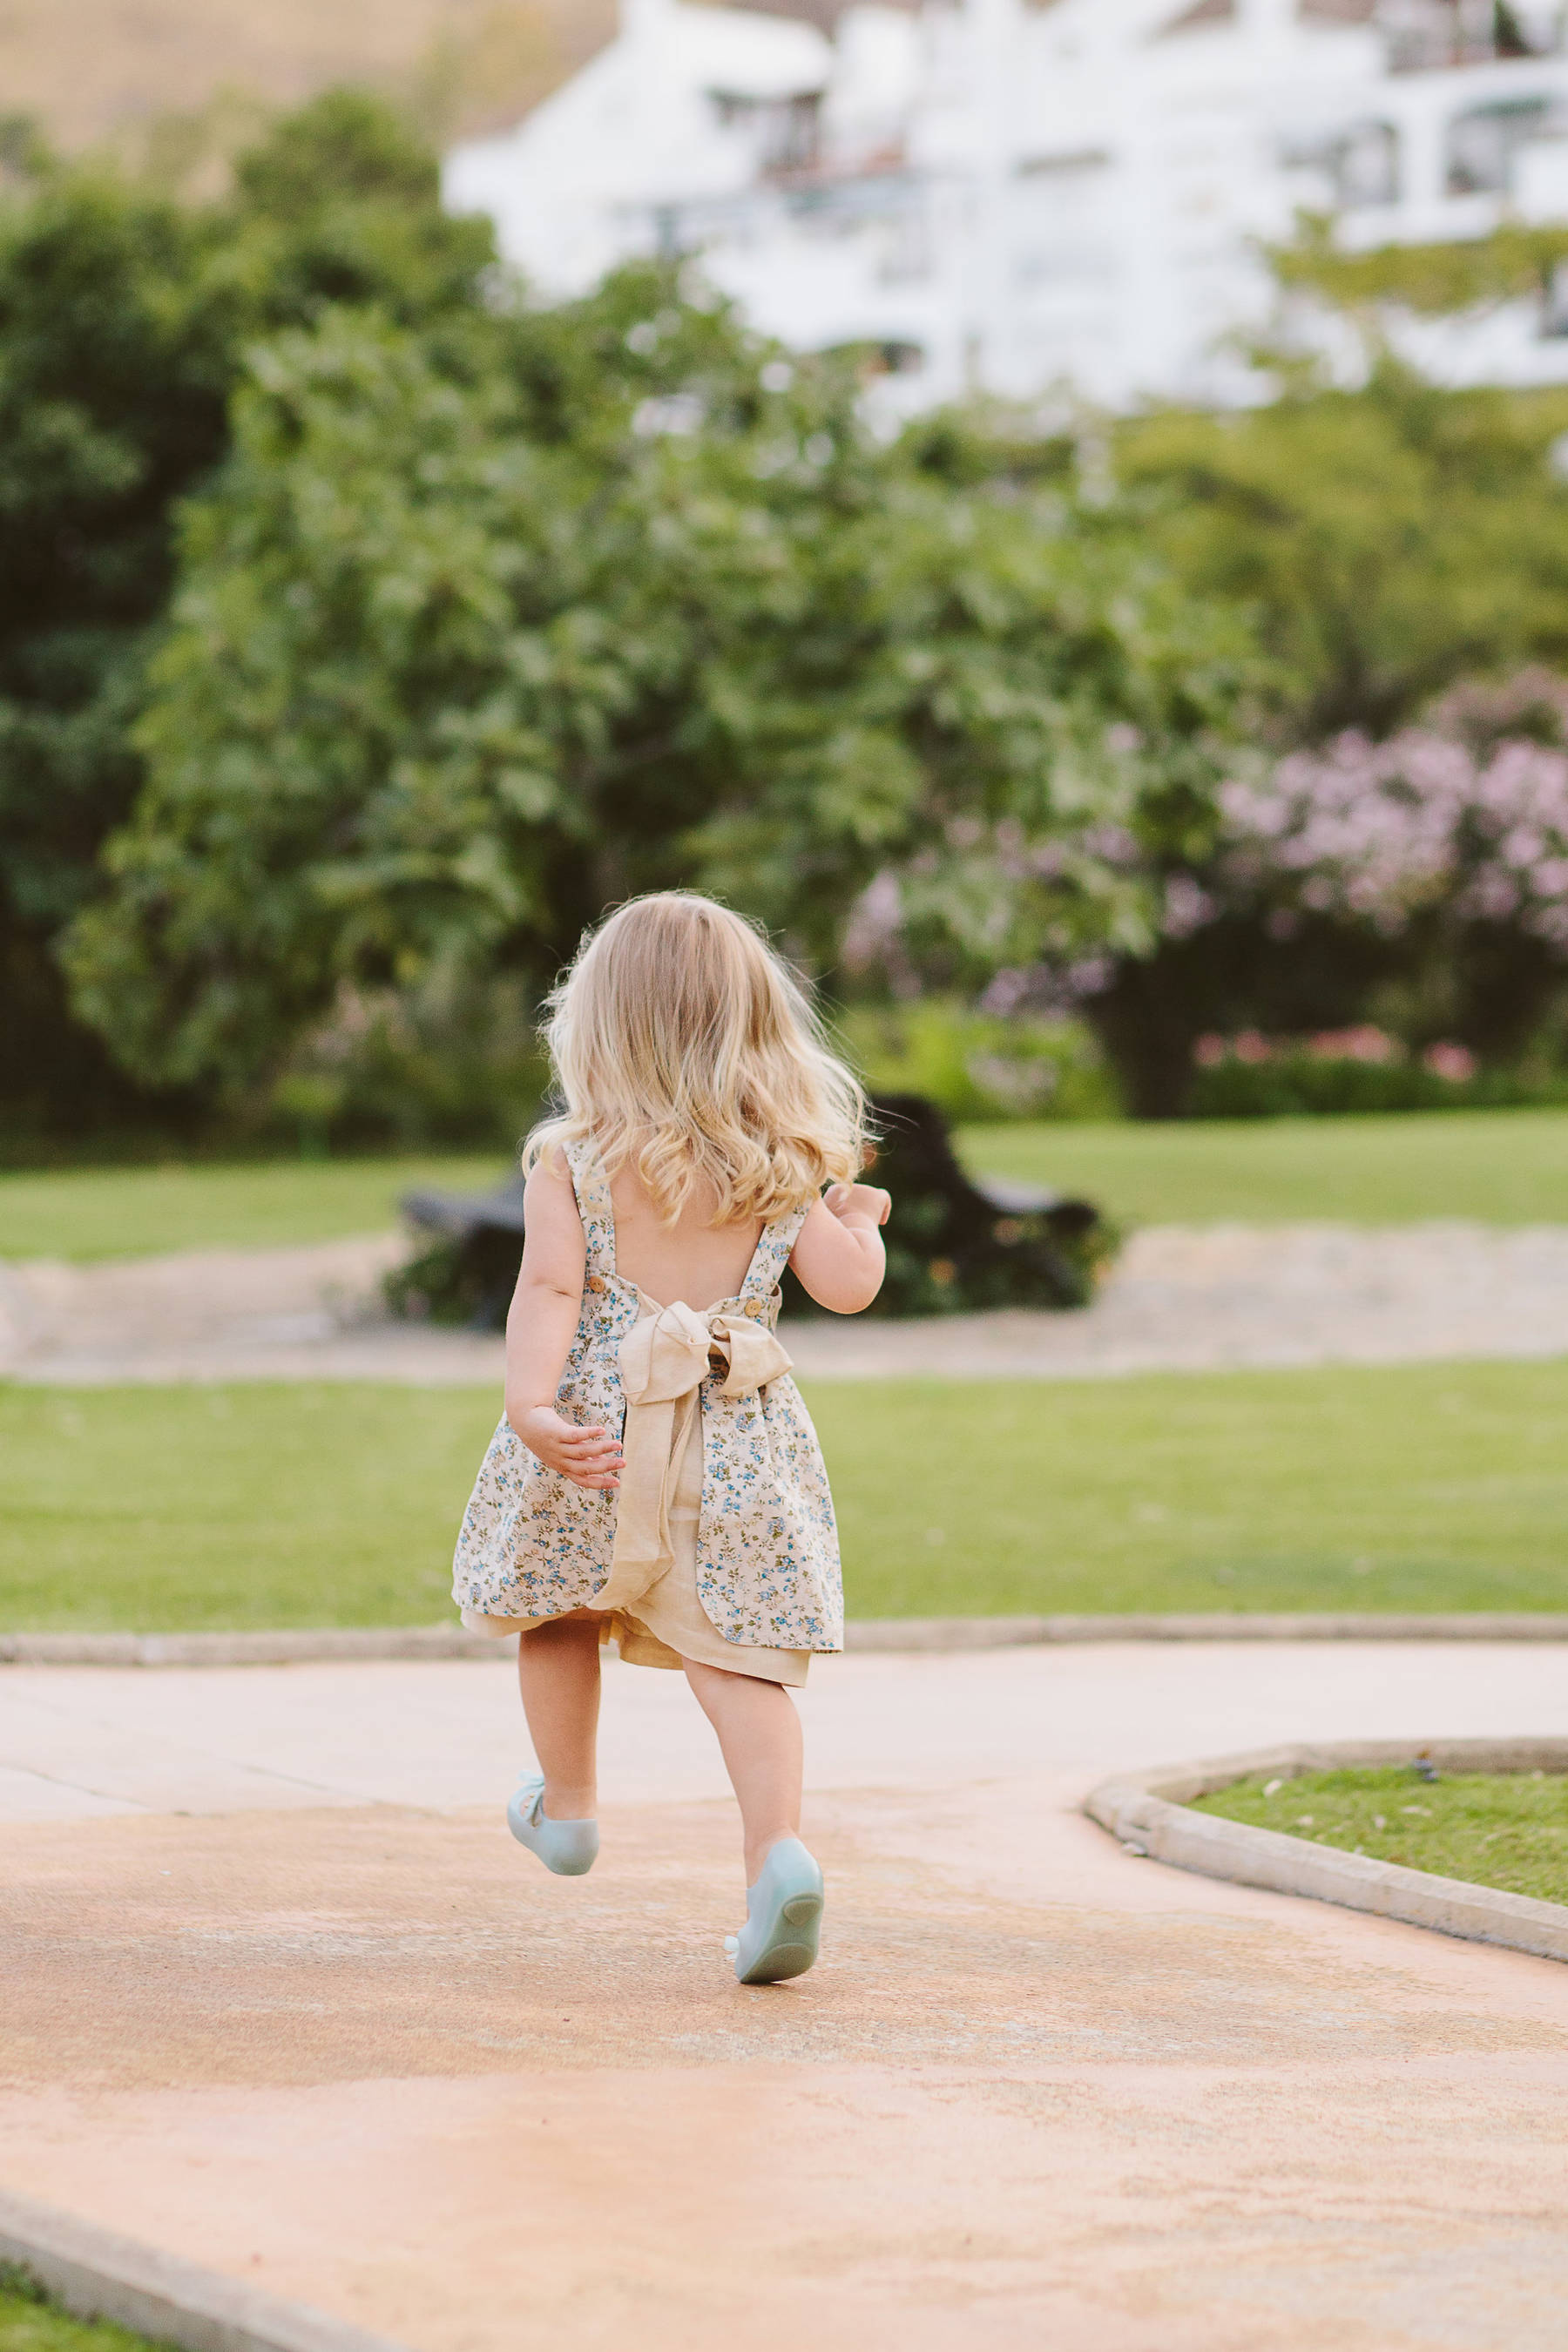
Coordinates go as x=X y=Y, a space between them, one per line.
x=1014 y=194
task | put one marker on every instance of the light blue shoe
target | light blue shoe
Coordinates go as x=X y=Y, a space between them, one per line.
x=783 y=1917
x=568 y=1848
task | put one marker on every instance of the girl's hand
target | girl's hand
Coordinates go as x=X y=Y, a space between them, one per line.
x=864 y=1202
x=589 y=1458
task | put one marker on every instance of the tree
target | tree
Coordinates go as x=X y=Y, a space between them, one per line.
x=456 y=662
x=1387 y=539
x=123 y=324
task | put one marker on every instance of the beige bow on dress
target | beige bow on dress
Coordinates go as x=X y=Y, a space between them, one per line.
x=665 y=1359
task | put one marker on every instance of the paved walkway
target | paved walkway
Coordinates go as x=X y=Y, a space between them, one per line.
x=1184 y=1299
x=281 y=1994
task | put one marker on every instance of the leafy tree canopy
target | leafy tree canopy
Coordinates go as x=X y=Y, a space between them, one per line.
x=455 y=662
x=1387 y=539
x=124 y=322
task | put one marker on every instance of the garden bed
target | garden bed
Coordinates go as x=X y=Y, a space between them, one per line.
x=1508 y=1830
x=1178 y=1815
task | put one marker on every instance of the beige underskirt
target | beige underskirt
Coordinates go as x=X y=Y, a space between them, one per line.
x=655 y=1615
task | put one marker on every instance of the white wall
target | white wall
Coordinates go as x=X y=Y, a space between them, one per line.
x=1028 y=196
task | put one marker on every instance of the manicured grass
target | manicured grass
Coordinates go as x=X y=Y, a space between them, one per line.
x=28 y=2324
x=1496 y=1829
x=1503 y=1168
x=1422 y=1488
x=99 y=1212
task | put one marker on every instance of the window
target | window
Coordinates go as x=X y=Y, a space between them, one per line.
x=1423 y=34
x=1484 y=141
x=1359 y=164
x=1554 y=308
x=786 y=131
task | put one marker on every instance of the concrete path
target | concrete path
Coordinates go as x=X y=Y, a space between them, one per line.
x=1182 y=1298
x=281 y=1995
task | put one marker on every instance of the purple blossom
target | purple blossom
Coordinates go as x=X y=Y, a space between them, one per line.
x=1448 y=814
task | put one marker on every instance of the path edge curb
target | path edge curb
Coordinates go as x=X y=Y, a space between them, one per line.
x=96 y=2273
x=1151 y=1813
x=343 y=1645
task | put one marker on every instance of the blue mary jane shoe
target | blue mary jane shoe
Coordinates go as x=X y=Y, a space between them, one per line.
x=783 y=1917
x=568 y=1848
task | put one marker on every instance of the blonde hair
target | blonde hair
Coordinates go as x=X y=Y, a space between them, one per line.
x=684 y=1045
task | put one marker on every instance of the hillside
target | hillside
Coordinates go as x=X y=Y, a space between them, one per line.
x=110 y=70
x=95 y=71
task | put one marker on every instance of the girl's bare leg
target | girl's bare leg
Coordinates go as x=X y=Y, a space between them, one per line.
x=759 y=1736
x=558 y=1675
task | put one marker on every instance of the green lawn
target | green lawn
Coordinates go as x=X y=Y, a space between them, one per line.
x=1504 y=1168
x=97 y=1212
x=30 y=2325
x=1431 y=1486
x=1507 y=1830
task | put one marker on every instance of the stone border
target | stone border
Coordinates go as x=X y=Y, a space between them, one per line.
x=1149 y=1812
x=95 y=2274
x=325 y=1644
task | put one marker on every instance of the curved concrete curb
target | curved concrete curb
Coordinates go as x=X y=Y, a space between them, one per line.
x=327 y=1643
x=97 y=2274
x=1149 y=1812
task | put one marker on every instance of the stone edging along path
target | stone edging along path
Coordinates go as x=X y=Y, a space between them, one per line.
x=97 y=2274
x=314 y=1645
x=1151 y=1813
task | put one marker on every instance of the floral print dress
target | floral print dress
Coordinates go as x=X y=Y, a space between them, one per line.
x=721 y=1544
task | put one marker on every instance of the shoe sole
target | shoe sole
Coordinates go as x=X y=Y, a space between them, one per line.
x=786 y=1954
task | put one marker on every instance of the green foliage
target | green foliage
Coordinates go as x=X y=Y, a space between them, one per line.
x=978 y=1066
x=1388 y=540
x=490 y=614
x=1299 y=1083
x=456 y=661
x=1494 y=1828
x=1515 y=262
x=110 y=399
x=124 y=322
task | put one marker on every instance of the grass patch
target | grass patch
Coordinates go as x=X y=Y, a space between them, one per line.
x=1496 y=1829
x=30 y=2322
x=1416 y=1487
x=102 y=1212
x=1501 y=1167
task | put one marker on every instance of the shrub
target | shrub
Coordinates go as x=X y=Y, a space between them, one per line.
x=1344 y=1072
x=978 y=1066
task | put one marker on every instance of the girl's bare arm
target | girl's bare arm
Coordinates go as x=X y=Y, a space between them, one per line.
x=839 y=1256
x=539 y=1327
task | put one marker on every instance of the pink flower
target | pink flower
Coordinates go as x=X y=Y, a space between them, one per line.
x=1362 y=1044
x=1453 y=816
x=1455 y=1063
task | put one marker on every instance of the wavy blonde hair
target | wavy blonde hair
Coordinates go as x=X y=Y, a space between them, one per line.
x=684 y=1046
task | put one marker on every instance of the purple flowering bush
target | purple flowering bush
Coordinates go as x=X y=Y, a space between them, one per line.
x=1415 y=888
x=1463 y=817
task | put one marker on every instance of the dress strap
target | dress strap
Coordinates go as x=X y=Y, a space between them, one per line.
x=772 y=1254
x=592 y=1187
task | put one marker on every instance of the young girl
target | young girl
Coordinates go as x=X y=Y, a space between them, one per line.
x=657 y=1478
